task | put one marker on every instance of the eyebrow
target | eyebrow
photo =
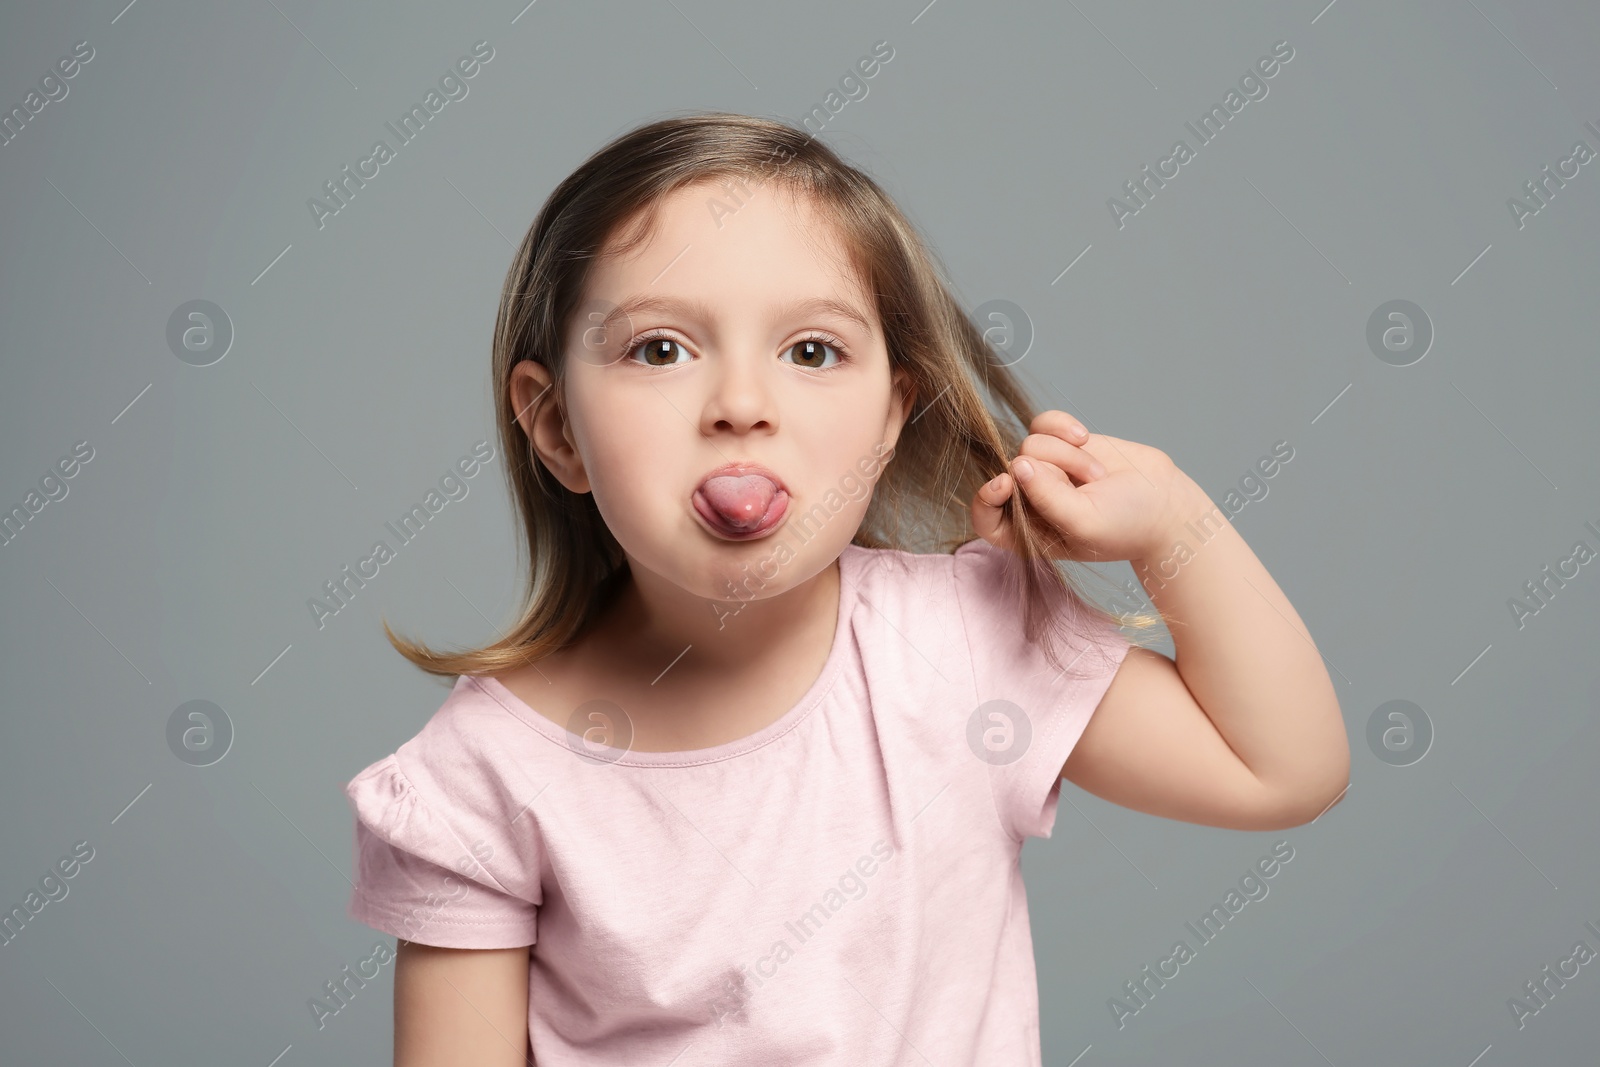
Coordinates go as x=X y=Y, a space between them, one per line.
x=701 y=310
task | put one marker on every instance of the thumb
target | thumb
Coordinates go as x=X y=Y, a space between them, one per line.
x=988 y=510
x=1055 y=496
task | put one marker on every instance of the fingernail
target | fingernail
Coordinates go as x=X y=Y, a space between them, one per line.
x=1023 y=470
x=994 y=483
x=1097 y=470
x=1080 y=431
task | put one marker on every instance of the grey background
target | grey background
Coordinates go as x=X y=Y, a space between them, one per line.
x=1229 y=314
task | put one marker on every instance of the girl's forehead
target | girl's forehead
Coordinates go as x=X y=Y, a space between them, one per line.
x=729 y=211
x=773 y=240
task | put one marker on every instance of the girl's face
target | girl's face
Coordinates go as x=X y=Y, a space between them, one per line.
x=743 y=338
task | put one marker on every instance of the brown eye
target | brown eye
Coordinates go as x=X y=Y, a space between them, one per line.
x=812 y=352
x=654 y=349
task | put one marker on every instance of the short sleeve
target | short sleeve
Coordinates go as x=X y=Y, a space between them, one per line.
x=1029 y=715
x=423 y=878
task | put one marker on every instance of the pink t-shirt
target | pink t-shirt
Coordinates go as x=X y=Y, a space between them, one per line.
x=841 y=886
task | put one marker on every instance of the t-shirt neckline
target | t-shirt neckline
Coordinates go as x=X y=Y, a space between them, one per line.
x=813 y=696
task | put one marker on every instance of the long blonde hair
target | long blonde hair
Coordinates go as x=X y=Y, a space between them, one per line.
x=951 y=445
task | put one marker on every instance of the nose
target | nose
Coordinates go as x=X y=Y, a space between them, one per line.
x=741 y=399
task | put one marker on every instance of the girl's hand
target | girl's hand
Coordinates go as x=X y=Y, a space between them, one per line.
x=1106 y=498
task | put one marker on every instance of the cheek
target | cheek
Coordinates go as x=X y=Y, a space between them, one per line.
x=632 y=442
x=849 y=426
x=838 y=450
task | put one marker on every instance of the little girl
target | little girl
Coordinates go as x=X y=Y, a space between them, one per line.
x=748 y=780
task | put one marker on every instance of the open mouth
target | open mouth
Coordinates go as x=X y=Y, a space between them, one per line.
x=740 y=503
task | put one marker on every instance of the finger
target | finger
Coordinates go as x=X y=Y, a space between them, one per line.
x=1052 y=494
x=1059 y=422
x=988 y=510
x=1071 y=458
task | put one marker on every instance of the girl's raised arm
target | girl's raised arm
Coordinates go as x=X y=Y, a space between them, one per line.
x=1244 y=730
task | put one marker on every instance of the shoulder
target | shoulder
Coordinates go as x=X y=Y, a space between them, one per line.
x=1007 y=630
x=469 y=725
x=893 y=584
x=990 y=583
x=461 y=765
x=897 y=571
x=976 y=580
x=906 y=615
x=451 y=795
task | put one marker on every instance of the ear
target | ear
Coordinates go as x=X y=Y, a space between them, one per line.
x=902 y=399
x=539 y=411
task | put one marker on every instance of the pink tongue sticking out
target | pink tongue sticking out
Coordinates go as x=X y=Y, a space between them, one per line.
x=739 y=500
